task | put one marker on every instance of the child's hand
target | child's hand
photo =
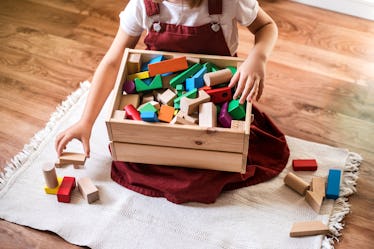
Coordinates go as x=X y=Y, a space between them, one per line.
x=79 y=131
x=249 y=79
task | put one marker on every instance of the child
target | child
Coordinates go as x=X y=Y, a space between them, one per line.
x=191 y=26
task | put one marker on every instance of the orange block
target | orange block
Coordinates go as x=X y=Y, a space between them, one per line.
x=166 y=113
x=168 y=66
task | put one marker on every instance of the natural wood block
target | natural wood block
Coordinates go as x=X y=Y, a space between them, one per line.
x=296 y=183
x=71 y=158
x=217 y=77
x=318 y=186
x=207 y=115
x=308 y=228
x=184 y=118
x=88 y=190
x=167 y=97
x=50 y=176
x=129 y=99
x=191 y=105
x=119 y=114
x=148 y=98
x=314 y=200
x=133 y=64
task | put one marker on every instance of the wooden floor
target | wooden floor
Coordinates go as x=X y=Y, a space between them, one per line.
x=319 y=87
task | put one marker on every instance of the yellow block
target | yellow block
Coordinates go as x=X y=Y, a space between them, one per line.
x=140 y=75
x=53 y=191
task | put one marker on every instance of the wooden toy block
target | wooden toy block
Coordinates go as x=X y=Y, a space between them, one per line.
x=179 y=89
x=141 y=86
x=128 y=87
x=167 y=97
x=236 y=110
x=168 y=66
x=147 y=107
x=333 y=184
x=217 y=77
x=71 y=158
x=155 y=104
x=133 y=99
x=67 y=186
x=193 y=60
x=304 y=164
x=133 y=63
x=88 y=190
x=314 y=200
x=232 y=69
x=238 y=125
x=318 y=186
x=191 y=105
x=53 y=191
x=149 y=116
x=224 y=117
x=308 y=228
x=220 y=95
x=119 y=114
x=166 y=113
x=132 y=113
x=197 y=81
x=151 y=61
x=207 y=114
x=140 y=75
x=296 y=183
x=185 y=119
x=190 y=94
x=148 y=98
x=180 y=78
x=50 y=176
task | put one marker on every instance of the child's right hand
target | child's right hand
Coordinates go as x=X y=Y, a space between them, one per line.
x=80 y=131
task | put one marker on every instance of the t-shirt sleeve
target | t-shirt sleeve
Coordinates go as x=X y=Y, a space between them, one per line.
x=246 y=11
x=131 y=18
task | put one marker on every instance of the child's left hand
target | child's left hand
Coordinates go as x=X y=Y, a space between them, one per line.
x=249 y=79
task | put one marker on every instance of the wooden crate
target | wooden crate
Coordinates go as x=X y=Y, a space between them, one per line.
x=177 y=145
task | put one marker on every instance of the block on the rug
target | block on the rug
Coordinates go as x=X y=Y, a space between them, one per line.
x=50 y=176
x=71 y=158
x=88 y=190
x=333 y=184
x=319 y=186
x=53 y=191
x=296 y=183
x=308 y=228
x=66 y=187
x=304 y=164
x=314 y=200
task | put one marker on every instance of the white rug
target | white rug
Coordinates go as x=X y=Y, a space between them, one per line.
x=259 y=216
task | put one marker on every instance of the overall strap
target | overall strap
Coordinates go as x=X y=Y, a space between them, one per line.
x=152 y=8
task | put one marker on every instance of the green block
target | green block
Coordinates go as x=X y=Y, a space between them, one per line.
x=190 y=94
x=180 y=89
x=215 y=68
x=180 y=78
x=232 y=69
x=141 y=86
x=148 y=107
x=236 y=110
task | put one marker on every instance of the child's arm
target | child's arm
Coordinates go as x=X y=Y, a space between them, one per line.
x=250 y=75
x=102 y=84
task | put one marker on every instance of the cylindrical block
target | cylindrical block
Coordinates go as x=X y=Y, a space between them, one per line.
x=296 y=183
x=217 y=77
x=50 y=176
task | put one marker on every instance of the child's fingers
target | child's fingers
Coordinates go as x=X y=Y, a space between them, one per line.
x=260 y=90
x=240 y=87
x=247 y=89
x=234 y=80
x=62 y=144
x=86 y=146
x=253 y=90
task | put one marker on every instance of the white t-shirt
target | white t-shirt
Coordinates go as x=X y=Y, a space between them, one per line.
x=134 y=20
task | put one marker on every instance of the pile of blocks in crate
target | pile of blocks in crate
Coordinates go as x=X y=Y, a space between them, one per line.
x=196 y=93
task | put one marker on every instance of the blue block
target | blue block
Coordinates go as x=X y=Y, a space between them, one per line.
x=192 y=83
x=333 y=184
x=149 y=116
x=151 y=61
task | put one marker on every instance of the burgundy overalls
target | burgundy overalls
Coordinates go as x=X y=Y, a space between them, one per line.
x=267 y=153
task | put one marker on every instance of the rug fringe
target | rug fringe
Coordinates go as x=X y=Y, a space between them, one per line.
x=341 y=205
x=29 y=149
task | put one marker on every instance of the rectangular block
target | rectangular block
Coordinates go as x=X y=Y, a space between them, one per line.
x=207 y=115
x=189 y=140
x=71 y=158
x=308 y=228
x=333 y=184
x=66 y=187
x=304 y=164
x=319 y=186
x=88 y=190
x=168 y=66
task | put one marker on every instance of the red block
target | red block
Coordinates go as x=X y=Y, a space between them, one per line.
x=132 y=113
x=220 y=95
x=67 y=186
x=304 y=164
